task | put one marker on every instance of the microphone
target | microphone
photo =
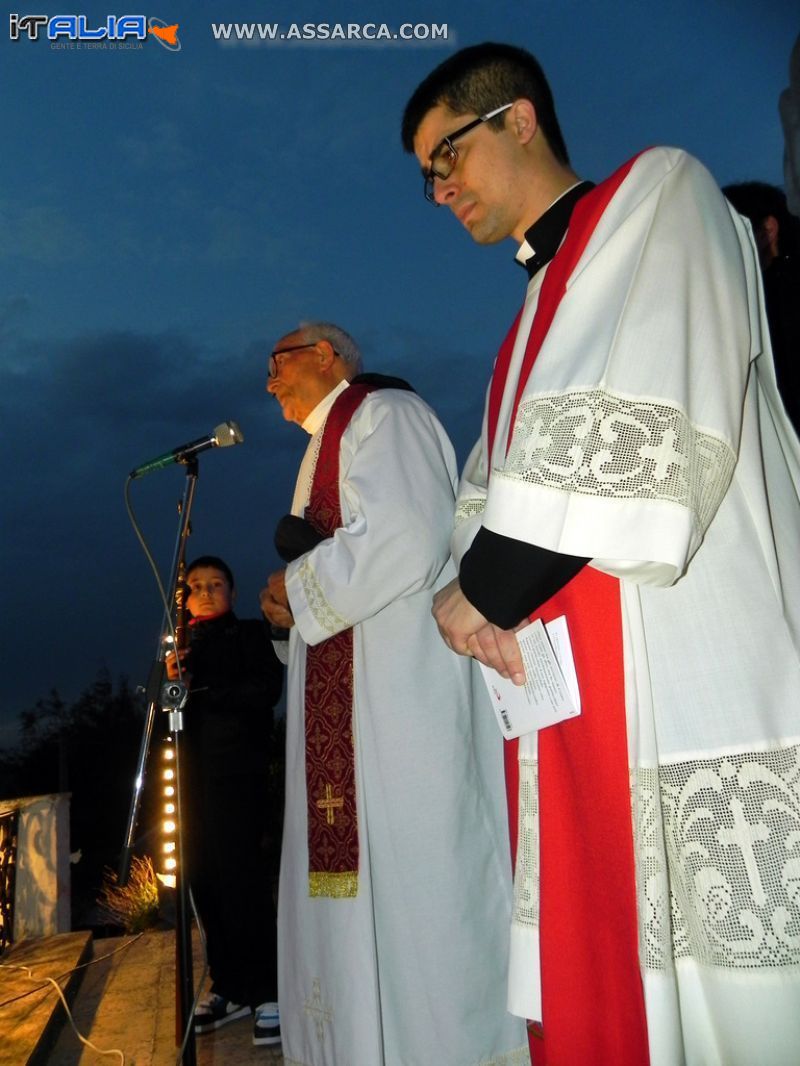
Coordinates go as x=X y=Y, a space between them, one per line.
x=223 y=435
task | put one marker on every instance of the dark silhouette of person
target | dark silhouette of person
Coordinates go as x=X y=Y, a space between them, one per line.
x=234 y=680
x=777 y=234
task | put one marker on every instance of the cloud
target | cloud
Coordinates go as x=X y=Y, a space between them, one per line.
x=42 y=233
x=452 y=379
x=159 y=149
x=78 y=414
x=13 y=311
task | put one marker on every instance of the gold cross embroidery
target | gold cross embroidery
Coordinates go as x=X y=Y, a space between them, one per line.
x=316 y=1009
x=329 y=803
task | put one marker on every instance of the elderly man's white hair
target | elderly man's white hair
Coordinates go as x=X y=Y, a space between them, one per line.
x=341 y=342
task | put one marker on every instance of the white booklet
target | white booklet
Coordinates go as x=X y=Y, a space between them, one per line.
x=550 y=693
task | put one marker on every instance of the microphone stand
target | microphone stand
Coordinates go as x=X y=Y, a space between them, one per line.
x=171 y=697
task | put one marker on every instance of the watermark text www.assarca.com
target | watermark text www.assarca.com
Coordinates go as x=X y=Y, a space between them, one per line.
x=251 y=33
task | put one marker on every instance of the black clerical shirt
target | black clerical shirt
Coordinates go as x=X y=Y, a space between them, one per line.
x=507 y=579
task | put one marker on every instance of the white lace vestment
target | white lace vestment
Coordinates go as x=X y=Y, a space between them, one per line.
x=651 y=439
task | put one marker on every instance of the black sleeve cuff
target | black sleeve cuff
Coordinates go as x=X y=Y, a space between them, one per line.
x=294 y=537
x=508 y=579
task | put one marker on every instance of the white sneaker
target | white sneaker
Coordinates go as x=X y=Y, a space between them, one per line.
x=267 y=1026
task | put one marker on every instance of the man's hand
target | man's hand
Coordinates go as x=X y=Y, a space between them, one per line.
x=467 y=632
x=274 y=601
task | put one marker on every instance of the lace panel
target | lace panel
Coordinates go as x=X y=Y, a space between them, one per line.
x=601 y=444
x=526 y=873
x=726 y=857
x=520 y=1056
x=316 y=444
x=469 y=507
x=325 y=615
x=305 y=475
x=652 y=883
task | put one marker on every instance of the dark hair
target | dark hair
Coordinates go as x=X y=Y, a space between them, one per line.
x=215 y=562
x=757 y=200
x=479 y=79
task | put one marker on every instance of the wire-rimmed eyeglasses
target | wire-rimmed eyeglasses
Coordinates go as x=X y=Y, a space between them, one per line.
x=444 y=157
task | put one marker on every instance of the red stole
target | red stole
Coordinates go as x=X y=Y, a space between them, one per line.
x=592 y=996
x=330 y=756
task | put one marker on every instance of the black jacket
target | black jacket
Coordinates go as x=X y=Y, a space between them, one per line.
x=236 y=679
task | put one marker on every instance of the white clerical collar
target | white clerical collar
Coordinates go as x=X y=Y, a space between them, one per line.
x=316 y=419
x=526 y=251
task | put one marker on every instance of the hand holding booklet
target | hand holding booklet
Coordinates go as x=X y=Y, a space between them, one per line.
x=550 y=693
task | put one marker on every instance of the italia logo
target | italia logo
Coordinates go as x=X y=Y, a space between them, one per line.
x=79 y=28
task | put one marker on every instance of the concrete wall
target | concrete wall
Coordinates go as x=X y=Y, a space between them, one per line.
x=42 y=892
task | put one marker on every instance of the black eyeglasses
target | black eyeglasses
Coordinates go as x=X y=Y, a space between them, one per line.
x=273 y=366
x=444 y=157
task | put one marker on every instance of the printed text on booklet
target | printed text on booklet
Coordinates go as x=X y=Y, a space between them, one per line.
x=550 y=693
